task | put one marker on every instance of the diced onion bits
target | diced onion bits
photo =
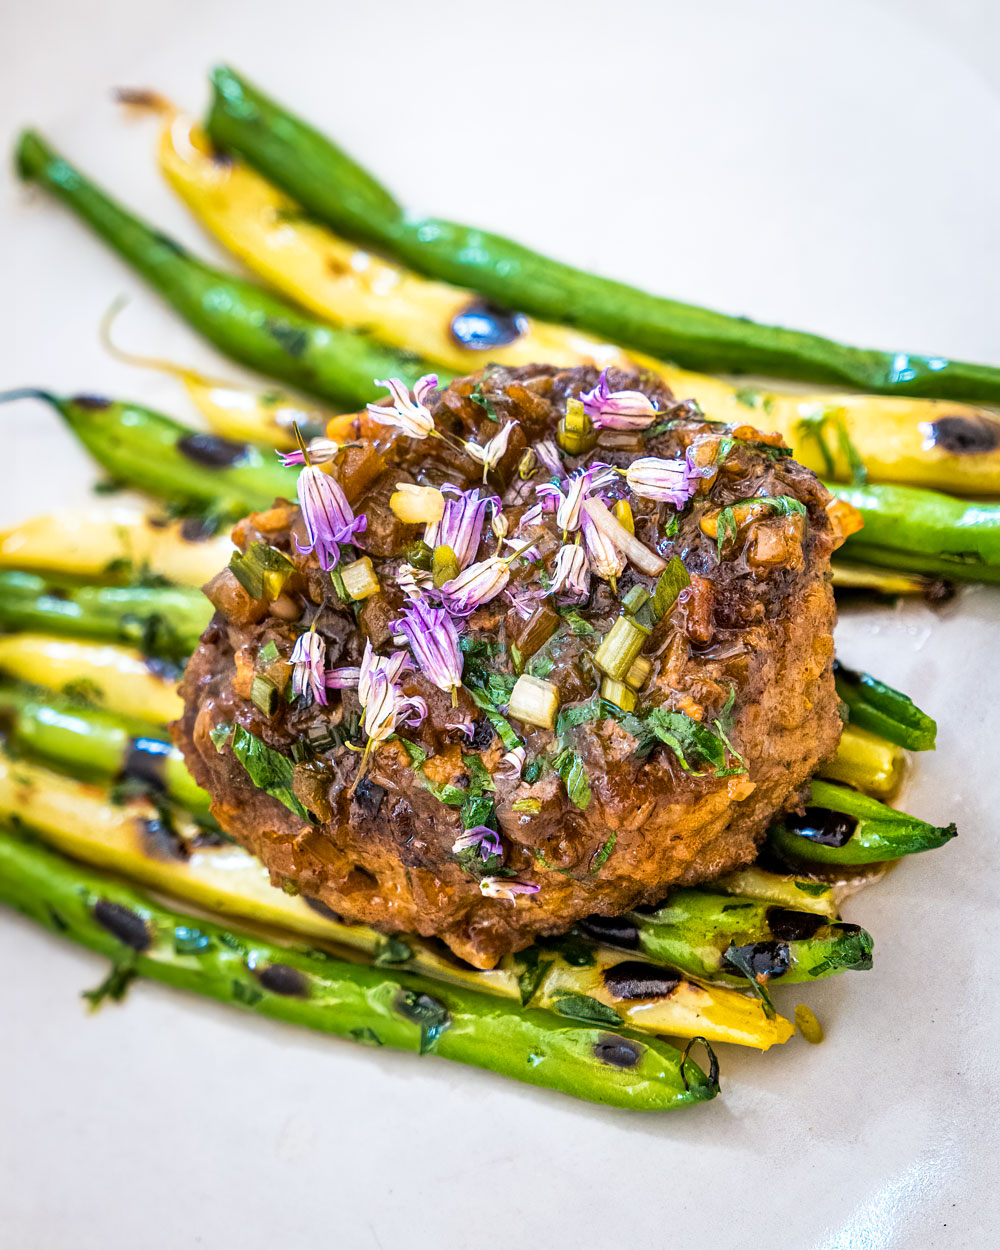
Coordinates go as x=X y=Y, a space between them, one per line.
x=534 y=701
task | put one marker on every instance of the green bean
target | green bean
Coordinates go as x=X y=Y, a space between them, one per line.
x=96 y=745
x=841 y=826
x=243 y=320
x=163 y=621
x=875 y=706
x=374 y=1006
x=925 y=531
x=335 y=189
x=144 y=449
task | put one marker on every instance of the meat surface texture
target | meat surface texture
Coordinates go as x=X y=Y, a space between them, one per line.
x=745 y=653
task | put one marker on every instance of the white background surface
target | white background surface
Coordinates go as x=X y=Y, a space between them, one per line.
x=831 y=166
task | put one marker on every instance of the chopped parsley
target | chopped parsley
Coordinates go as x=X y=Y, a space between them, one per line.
x=268 y=769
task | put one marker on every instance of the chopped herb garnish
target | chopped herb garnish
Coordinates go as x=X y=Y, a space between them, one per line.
x=269 y=653
x=268 y=769
x=570 y=767
x=601 y=858
x=114 y=986
x=691 y=742
x=220 y=735
x=583 y=1007
x=575 y=621
x=484 y=402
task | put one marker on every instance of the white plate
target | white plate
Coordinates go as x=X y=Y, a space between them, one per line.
x=833 y=167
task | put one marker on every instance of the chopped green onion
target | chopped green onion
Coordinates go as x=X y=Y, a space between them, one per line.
x=620 y=648
x=634 y=600
x=264 y=695
x=444 y=565
x=537 y=630
x=360 y=579
x=261 y=570
x=534 y=701
x=619 y=694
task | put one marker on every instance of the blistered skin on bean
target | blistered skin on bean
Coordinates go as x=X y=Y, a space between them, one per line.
x=615 y=930
x=211 y=450
x=965 y=436
x=281 y=979
x=823 y=826
x=123 y=924
x=482 y=326
x=617 y=1052
x=793 y=926
x=765 y=960
x=634 y=979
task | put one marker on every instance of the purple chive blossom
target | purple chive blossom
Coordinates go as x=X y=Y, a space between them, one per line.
x=328 y=518
x=465 y=725
x=506 y=888
x=567 y=498
x=410 y=415
x=617 y=410
x=668 y=481
x=433 y=640
x=343 y=678
x=476 y=585
x=413 y=582
x=308 y=662
x=509 y=768
x=321 y=450
x=372 y=663
x=490 y=455
x=606 y=561
x=481 y=838
x=571 y=576
x=461 y=524
x=524 y=602
x=548 y=455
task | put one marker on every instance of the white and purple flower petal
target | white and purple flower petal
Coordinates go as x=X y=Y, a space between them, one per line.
x=567 y=498
x=667 y=481
x=617 y=410
x=571 y=576
x=506 y=888
x=606 y=561
x=433 y=640
x=308 y=660
x=408 y=414
x=490 y=455
x=548 y=455
x=461 y=525
x=481 y=838
x=320 y=451
x=476 y=585
x=510 y=767
x=327 y=516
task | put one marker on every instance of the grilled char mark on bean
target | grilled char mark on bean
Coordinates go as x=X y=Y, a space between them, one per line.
x=821 y=825
x=123 y=923
x=634 y=979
